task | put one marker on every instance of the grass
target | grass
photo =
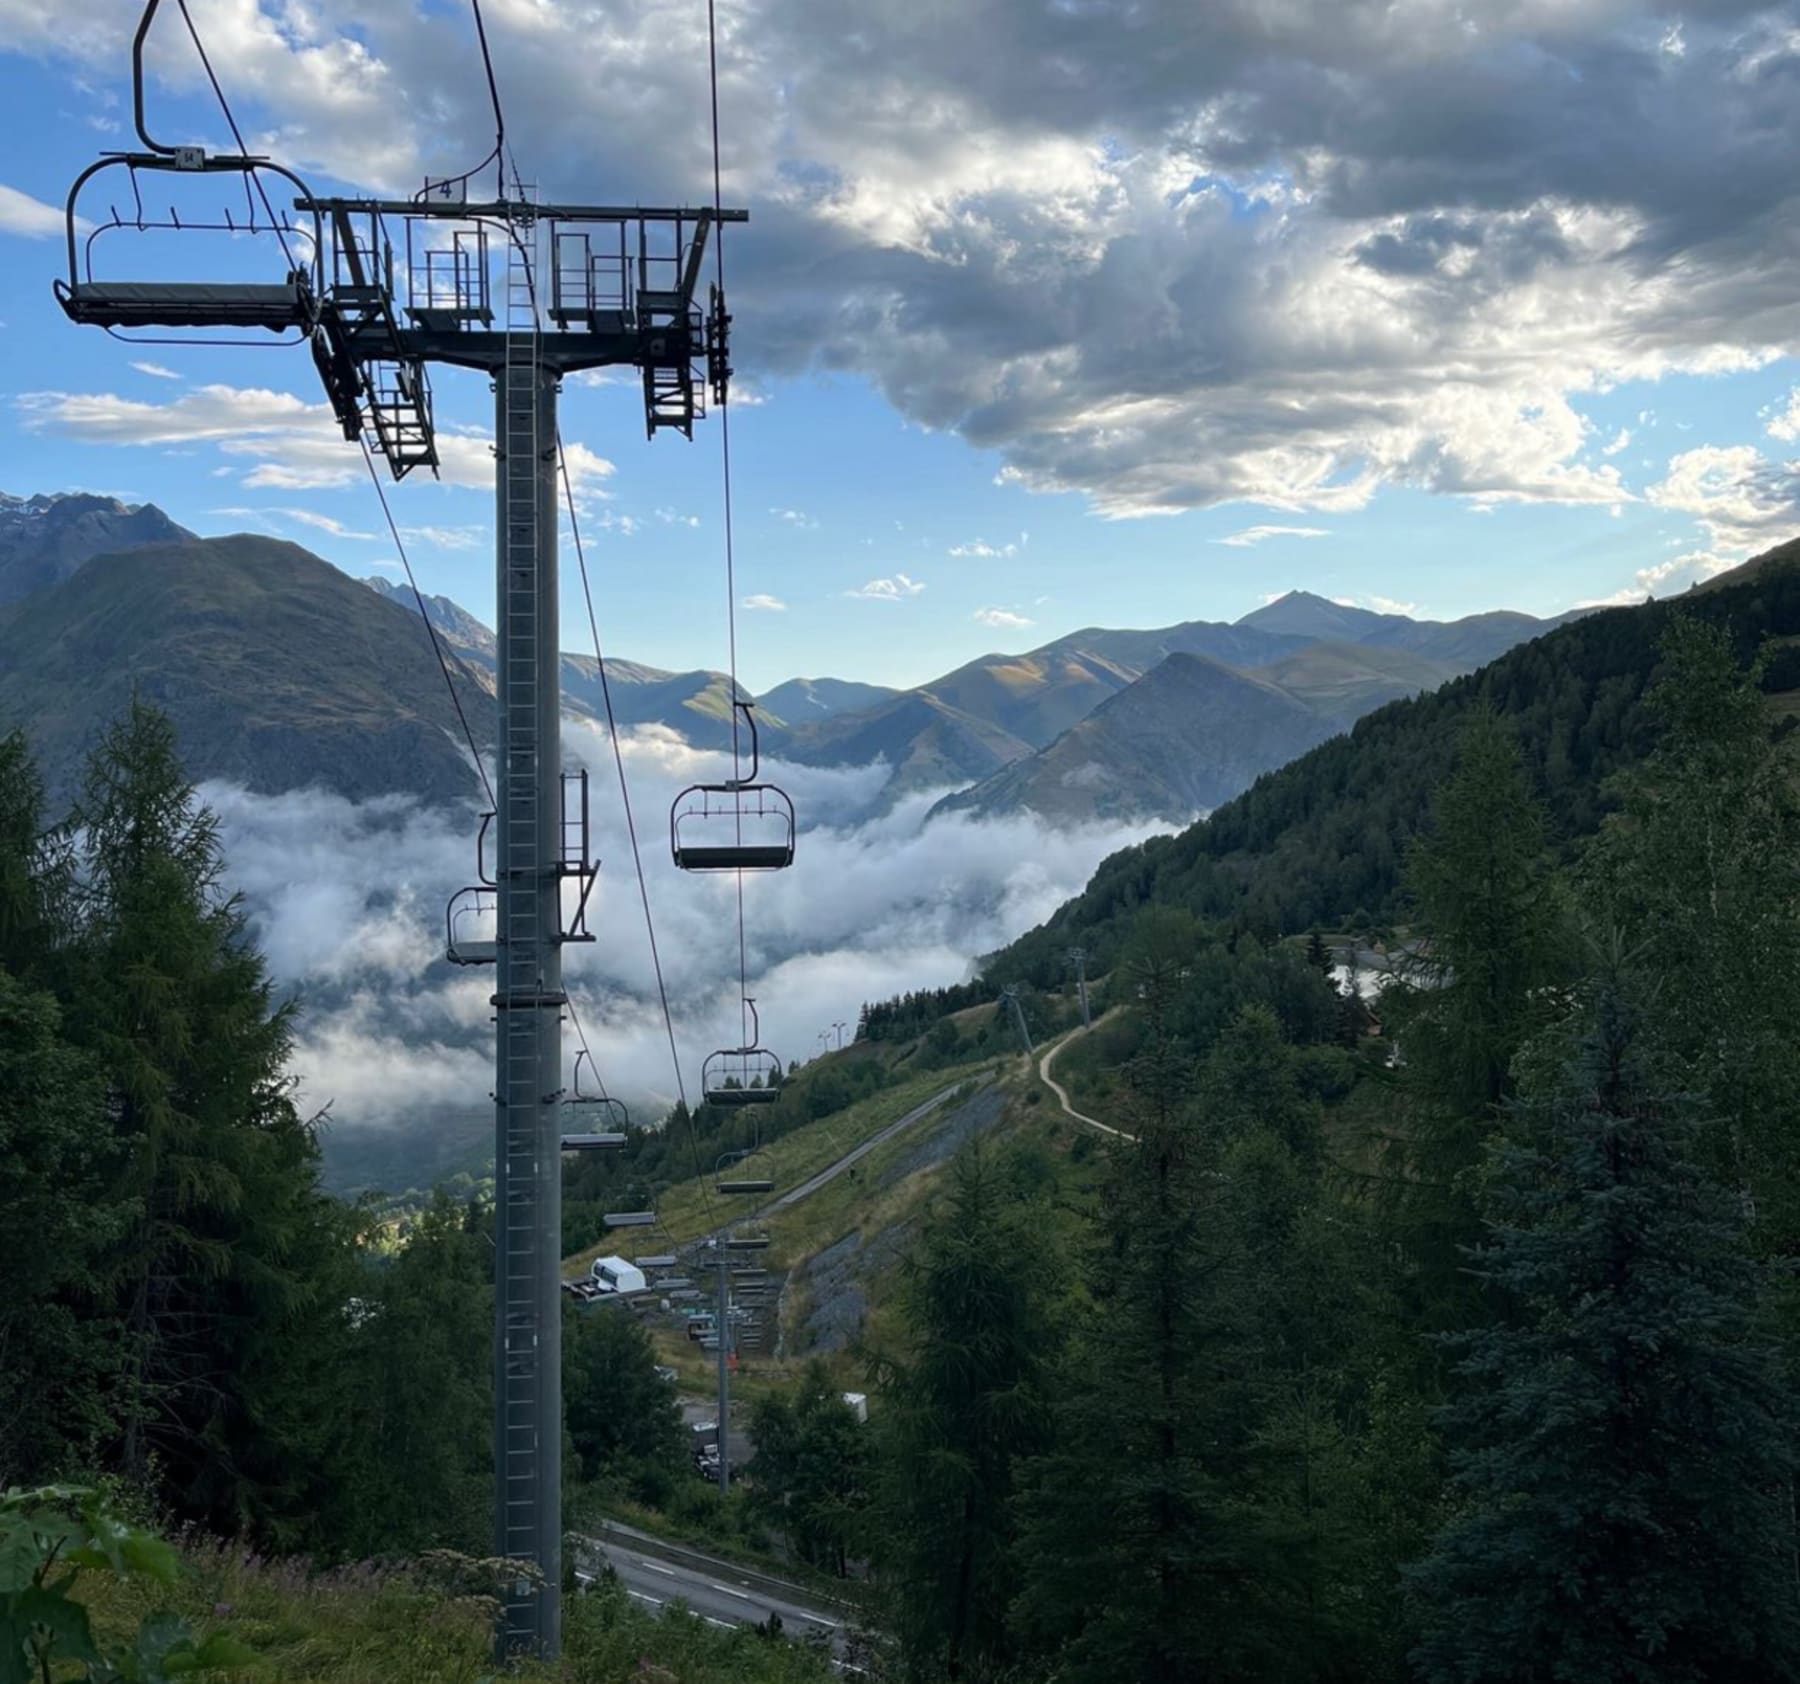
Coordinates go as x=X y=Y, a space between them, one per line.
x=431 y=1623
x=690 y=1208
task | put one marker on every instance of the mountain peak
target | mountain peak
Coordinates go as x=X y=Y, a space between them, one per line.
x=48 y=536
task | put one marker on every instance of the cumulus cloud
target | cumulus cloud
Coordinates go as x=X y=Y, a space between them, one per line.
x=1784 y=424
x=449 y=537
x=1167 y=256
x=795 y=517
x=347 y=900
x=1003 y=619
x=31 y=218
x=1252 y=535
x=762 y=601
x=1742 y=500
x=981 y=549
x=327 y=524
x=271 y=440
x=896 y=589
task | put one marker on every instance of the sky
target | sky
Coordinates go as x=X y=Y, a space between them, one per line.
x=1049 y=313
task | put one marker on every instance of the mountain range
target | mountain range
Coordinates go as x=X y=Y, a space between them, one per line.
x=282 y=672
x=1321 y=842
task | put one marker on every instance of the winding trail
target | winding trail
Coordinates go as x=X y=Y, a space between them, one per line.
x=1062 y=1095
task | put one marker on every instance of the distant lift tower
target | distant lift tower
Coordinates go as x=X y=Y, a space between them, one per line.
x=1078 y=958
x=1009 y=998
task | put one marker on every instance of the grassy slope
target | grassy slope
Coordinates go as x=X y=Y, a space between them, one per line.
x=359 y=1626
x=690 y=1209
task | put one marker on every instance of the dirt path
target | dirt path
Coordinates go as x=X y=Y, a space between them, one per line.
x=1062 y=1095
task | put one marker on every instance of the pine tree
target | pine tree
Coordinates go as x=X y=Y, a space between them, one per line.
x=961 y=1407
x=1145 y=1563
x=56 y=1160
x=622 y=1418
x=1622 y=1449
x=810 y=1474
x=232 y=1236
x=1491 y=918
x=1700 y=870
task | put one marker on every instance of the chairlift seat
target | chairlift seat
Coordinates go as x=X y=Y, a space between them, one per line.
x=473 y=953
x=742 y=1096
x=756 y=1186
x=748 y=856
x=280 y=308
x=591 y=1142
x=667 y=1260
x=629 y=1218
x=449 y=318
x=753 y=1242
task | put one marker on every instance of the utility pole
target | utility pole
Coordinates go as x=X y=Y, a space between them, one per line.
x=1011 y=997
x=1078 y=958
x=724 y=1330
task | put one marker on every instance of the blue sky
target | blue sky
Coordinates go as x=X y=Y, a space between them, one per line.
x=910 y=496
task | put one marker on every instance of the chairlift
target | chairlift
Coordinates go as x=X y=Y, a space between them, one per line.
x=595 y=1100
x=738 y=1184
x=741 y=824
x=473 y=909
x=746 y=1075
x=288 y=307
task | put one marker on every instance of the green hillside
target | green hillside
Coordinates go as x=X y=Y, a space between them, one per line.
x=1187 y=735
x=279 y=671
x=1321 y=841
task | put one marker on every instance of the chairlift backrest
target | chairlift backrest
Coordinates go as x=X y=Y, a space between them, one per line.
x=287 y=306
x=592 y=1094
x=468 y=911
x=708 y=821
x=746 y=1075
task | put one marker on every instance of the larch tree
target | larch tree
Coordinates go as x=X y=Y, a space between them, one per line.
x=962 y=1405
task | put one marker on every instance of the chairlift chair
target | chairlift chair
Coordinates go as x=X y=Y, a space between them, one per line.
x=708 y=822
x=288 y=306
x=746 y=1075
x=739 y=1184
x=471 y=909
x=594 y=1099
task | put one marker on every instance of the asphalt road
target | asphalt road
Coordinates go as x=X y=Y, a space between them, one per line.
x=720 y=1592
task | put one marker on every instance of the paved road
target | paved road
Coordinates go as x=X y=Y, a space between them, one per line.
x=720 y=1592
x=1062 y=1096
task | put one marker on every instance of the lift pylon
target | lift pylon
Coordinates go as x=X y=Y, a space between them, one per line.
x=383 y=290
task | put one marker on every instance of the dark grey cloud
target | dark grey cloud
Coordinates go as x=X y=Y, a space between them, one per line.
x=1161 y=252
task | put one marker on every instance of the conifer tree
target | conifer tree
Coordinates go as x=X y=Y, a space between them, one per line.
x=1490 y=917
x=1700 y=870
x=810 y=1474
x=962 y=1405
x=1145 y=1564
x=58 y=1221
x=1622 y=1449
x=231 y=1237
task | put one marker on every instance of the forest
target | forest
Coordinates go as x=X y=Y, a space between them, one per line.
x=1449 y=1336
